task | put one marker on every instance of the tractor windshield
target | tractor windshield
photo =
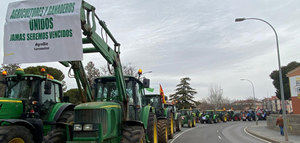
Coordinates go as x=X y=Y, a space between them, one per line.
x=21 y=89
x=184 y=112
x=154 y=101
x=107 y=90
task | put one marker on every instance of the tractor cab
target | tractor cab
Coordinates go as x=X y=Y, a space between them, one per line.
x=106 y=91
x=34 y=93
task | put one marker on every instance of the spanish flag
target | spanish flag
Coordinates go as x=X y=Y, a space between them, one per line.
x=161 y=92
x=50 y=76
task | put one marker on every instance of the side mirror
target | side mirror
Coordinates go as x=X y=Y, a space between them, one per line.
x=146 y=83
x=47 y=87
x=66 y=98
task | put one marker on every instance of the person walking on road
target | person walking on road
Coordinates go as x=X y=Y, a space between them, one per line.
x=279 y=122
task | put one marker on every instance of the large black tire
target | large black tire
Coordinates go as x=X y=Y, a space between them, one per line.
x=133 y=134
x=58 y=134
x=162 y=130
x=178 y=124
x=190 y=123
x=14 y=134
x=152 y=128
x=194 y=122
x=171 y=127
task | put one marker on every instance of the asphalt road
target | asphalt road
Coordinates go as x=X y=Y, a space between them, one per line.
x=230 y=132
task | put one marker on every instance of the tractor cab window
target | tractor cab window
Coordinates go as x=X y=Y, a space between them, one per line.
x=25 y=88
x=154 y=101
x=57 y=92
x=184 y=112
x=107 y=91
x=47 y=97
x=138 y=94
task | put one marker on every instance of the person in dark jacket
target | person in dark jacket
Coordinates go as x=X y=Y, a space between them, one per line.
x=279 y=122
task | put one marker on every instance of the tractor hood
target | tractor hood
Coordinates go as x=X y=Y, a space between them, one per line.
x=10 y=108
x=97 y=105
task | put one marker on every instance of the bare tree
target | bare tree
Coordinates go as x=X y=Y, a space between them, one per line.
x=216 y=97
x=10 y=69
x=92 y=72
x=128 y=69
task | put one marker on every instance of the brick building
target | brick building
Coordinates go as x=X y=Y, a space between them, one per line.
x=294 y=79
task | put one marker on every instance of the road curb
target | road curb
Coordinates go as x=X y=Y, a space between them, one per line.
x=262 y=137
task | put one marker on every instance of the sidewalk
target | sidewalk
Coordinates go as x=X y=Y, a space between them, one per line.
x=263 y=132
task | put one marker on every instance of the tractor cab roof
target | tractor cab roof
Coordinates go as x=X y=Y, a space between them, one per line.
x=113 y=78
x=152 y=95
x=12 y=77
x=185 y=109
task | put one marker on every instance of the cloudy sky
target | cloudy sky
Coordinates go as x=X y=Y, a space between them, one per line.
x=199 y=39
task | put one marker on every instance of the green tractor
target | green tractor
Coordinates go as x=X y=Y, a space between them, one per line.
x=188 y=118
x=117 y=115
x=32 y=107
x=177 y=116
x=163 y=121
x=197 y=113
x=209 y=116
x=101 y=121
x=222 y=115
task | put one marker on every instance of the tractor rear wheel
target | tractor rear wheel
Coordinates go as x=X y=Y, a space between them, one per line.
x=15 y=134
x=194 y=123
x=190 y=123
x=133 y=134
x=58 y=133
x=162 y=130
x=152 y=128
x=171 y=127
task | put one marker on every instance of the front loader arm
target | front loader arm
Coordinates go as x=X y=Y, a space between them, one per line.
x=83 y=85
x=112 y=56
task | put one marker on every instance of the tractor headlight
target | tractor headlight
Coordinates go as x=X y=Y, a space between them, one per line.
x=77 y=127
x=88 y=127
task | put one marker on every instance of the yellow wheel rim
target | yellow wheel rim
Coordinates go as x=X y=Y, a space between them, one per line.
x=155 y=139
x=195 y=122
x=166 y=133
x=172 y=126
x=17 y=140
x=190 y=124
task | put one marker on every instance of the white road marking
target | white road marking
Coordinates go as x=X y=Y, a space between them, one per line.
x=217 y=131
x=255 y=136
x=182 y=133
x=219 y=137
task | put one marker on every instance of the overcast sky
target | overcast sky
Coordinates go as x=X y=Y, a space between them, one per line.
x=199 y=39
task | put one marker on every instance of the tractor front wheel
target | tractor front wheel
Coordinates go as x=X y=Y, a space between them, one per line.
x=15 y=134
x=152 y=128
x=58 y=134
x=133 y=134
x=171 y=127
x=178 y=125
x=162 y=131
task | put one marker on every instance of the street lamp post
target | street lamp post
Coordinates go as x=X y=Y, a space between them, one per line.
x=280 y=73
x=254 y=103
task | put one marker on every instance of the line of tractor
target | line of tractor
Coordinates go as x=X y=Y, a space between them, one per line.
x=116 y=109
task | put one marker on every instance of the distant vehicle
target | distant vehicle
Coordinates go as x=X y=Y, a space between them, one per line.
x=188 y=118
x=209 y=116
x=221 y=114
x=237 y=116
